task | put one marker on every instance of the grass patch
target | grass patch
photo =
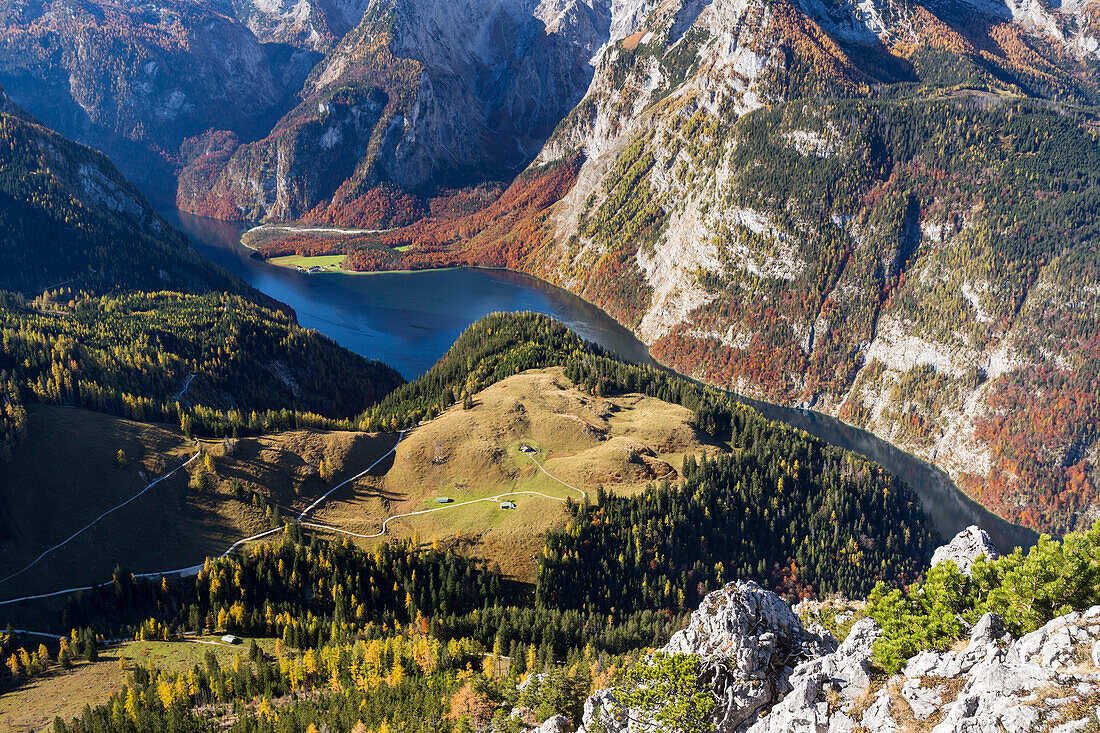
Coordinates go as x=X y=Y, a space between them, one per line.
x=181 y=656
x=66 y=472
x=622 y=443
x=326 y=262
x=33 y=706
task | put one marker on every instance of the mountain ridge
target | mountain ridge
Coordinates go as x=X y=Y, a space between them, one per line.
x=878 y=210
x=816 y=283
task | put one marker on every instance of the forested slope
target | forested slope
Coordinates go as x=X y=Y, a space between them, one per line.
x=395 y=635
x=70 y=222
x=885 y=216
x=132 y=355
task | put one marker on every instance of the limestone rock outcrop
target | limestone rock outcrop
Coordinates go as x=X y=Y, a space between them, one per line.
x=966 y=547
x=770 y=674
x=749 y=641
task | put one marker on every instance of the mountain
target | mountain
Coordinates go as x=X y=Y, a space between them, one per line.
x=882 y=212
x=69 y=219
x=303 y=24
x=136 y=80
x=418 y=96
x=879 y=212
x=104 y=305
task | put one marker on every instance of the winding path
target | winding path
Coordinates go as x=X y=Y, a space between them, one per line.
x=101 y=516
x=181 y=572
x=183 y=390
x=324 y=496
x=16 y=632
x=494 y=499
x=583 y=494
x=196 y=569
x=387 y=520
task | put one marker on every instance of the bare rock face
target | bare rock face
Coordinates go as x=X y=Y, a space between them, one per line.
x=1046 y=680
x=713 y=63
x=308 y=24
x=966 y=547
x=1043 y=681
x=137 y=79
x=772 y=675
x=749 y=642
x=417 y=93
x=847 y=672
x=556 y=724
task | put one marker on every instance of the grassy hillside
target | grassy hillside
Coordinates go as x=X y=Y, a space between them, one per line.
x=66 y=472
x=621 y=443
x=620 y=426
x=64 y=693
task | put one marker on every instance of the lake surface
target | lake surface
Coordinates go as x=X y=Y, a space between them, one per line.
x=406 y=319
x=409 y=319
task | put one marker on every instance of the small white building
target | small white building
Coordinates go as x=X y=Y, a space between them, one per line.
x=507 y=505
x=230 y=639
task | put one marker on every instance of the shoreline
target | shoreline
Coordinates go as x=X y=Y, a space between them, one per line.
x=947 y=505
x=813 y=421
x=330 y=230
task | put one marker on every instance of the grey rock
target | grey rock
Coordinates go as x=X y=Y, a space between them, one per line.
x=966 y=547
x=987 y=641
x=841 y=723
x=878 y=717
x=993 y=684
x=556 y=724
x=1073 y=726
x=1003 y=689
x=924 y=701
x=749 y=642
x=603 y=709
x=846 y=671
x=1054 y=645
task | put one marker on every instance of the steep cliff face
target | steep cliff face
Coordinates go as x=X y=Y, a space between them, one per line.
x=418 y=95
x=868 y=209
x=316 y=25
x=136 y=80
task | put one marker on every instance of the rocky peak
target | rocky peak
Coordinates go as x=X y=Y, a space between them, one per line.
x=1046 y=680
x=965 y=548
x=308 y=24
x=845 y=673
x=471 y=91
x=748 y=641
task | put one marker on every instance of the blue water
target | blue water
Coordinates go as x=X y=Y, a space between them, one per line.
x=409 y=319
x=406 y=319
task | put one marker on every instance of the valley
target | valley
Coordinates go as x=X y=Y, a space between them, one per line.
x=347 y=298
x=620 y=444
x=549 y=366
x=618 y=150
